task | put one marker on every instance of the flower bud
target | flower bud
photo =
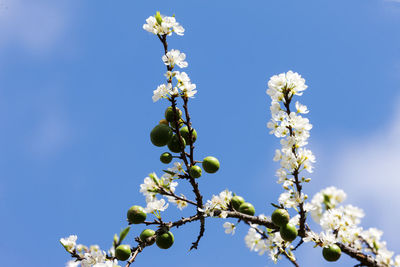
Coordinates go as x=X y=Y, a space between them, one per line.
x=158 y=18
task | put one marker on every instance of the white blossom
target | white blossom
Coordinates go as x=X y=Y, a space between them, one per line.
x=167 y=26
x=156 y=205
x=93 y=257
x=69 y=243
x=162 y=91
x=72 y=263
x=187 y=88
x=175 y=57
x=300 y=108
x=218 y=204
x=327 y=198
x=229 y=228
x=181 y=204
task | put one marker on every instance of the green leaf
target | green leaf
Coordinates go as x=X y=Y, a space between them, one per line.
x=123 y=234
x=115 y=240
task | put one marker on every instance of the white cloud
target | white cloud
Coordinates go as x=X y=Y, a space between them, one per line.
x=367 y=169
x=51 y=135
x=34 y=25
x=48 y=130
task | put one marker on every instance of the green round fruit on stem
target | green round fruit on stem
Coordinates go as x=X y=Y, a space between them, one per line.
x=195 y=171
x=175 y=146
x=165 y=240
x=210 y=164
x=169 y=114
x=173 y=124
x=185 y=134
x=247 y=208
x=331 y=253
x=123 y=252
x=136 y=215
x=160 y=135
x=288 y=232
x=166 y=157
x=147 y=233
x=163 y=121
x=236 y=201
x=280 y=217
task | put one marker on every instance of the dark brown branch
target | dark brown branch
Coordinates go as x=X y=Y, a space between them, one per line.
x=373 y=250
x=252 y=219
x=183 y=154
x=136 y=251
x=295 y=173
x=365 y=260
x=170 y=193
x=298 y=245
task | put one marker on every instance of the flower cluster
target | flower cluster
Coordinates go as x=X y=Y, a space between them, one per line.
x=165 y=185
x=327 y=198
x=263 y=240
x=218 y=205
x=88 y=256
x=341 y=224
x=163 y=25
x=183 y=87
x=175 y=57
x=294 y=131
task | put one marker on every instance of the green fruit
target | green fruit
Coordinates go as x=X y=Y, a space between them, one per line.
x=160 y=135
x=169 y=114
x=331 y=253
x=136 y=215
x=185 y=134
x=163 y=121
x=280 y=217
x=288 y=232
x=210 y=164
x=173 y=124
x=166 y=157
x=236 y=201
x=165 y=240
x=247 y=208
x=195 y=171
x=175 y=146
x=147 y=233
x=123 y=252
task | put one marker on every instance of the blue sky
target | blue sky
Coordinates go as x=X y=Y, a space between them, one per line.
x=76 y=80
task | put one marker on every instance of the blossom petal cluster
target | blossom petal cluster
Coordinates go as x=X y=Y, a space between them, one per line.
x=88 y=256
x=218 y=205
x=262 y=240
x=152 y=186
x=183 y=86
x=163 y=25
x=229 y=228
x=175 y=57
x=294 y=131
x=325 y=199
x=178 y=83
x=341 y=223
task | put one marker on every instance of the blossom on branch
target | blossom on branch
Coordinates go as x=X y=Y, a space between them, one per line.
x=163 y=25
x=175 y=57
